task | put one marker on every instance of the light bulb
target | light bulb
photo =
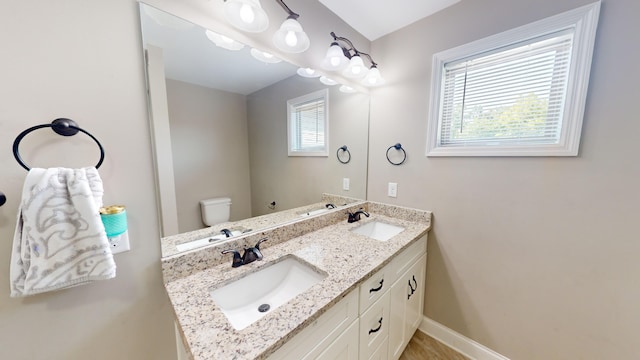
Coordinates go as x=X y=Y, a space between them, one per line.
x=267 y=55
x=246 y=14
x=356 y=68
x=291 y=39
x=335 y=58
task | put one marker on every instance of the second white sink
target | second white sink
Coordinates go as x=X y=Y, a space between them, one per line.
x=378 y=230
x=248 y=299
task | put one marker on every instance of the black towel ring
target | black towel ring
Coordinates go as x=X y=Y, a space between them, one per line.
x=3 y=198
x=397 y=147
x=343 y=148
x=62 y=126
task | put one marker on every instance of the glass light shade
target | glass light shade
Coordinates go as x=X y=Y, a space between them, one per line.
x=224 y=41
x=373 y=78
x=307 y=72
x=347 y=89
x=335 y=59
x=356 y=68
x=290 y=37
x=264 y=56
x=329 y=82
x=246 y=15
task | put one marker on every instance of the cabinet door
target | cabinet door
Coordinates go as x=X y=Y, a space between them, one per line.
x=407 y=300
x=343 y=348
x=398 y=299
x=415 y=298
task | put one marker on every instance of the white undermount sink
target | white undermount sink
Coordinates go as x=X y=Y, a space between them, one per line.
x=205 y=241
x=378 y=230
x=314 y=212
x=246 y=300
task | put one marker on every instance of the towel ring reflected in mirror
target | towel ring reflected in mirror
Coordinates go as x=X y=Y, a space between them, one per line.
x=3 y=198
x=61 y=126
x=342 y=150
x=398 y=147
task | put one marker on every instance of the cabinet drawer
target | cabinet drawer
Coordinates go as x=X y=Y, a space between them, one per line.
x=374 y=326
x=315 y=338
x=408 y=257
x=374 y=287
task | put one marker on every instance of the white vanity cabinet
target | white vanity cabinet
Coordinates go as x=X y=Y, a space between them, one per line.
x=397 y=294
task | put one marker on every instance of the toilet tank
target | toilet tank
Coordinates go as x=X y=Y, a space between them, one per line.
x=215 y=211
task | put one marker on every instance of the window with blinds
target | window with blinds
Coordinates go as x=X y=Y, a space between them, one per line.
x=520 y=93
x=308 y=124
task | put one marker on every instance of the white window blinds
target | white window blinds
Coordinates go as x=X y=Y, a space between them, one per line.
x=521 y=92
x=510 y=95
x=309 y=121
x=308 y=124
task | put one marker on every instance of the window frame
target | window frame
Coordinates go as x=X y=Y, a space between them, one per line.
x=583 y=21
x=291 y=104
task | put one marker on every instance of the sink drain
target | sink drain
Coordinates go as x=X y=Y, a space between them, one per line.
x=264 y=307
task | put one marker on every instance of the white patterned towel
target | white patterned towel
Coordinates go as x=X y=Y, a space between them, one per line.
x=59 y=240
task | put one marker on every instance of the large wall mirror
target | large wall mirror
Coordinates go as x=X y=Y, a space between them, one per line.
x=219 y=126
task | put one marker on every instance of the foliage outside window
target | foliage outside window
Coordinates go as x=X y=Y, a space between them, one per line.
x=308 y=124
x=518 y=93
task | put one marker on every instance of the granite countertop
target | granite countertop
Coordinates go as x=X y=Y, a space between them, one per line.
x=257 y=223
x=347 y=258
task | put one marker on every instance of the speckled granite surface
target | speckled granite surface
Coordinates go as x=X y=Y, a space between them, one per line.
x=323 y=241
x=251 y=225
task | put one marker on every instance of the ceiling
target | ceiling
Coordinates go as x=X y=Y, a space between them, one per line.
x=376 y=18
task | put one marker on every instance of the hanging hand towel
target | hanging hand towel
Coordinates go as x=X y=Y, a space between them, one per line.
x=59 y=240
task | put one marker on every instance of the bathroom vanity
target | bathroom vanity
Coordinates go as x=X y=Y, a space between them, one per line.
x=356 y=289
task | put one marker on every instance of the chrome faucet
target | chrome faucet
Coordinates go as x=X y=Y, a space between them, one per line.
x=353 y=217
x=250 y=254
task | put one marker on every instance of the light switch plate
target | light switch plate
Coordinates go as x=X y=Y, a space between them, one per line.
x=393 y=190
x=345 y=184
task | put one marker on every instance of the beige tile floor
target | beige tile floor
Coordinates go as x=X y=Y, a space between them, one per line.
x=423 y=347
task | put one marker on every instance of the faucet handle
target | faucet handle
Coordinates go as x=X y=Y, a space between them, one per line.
x=237 y=259
x=257 y=246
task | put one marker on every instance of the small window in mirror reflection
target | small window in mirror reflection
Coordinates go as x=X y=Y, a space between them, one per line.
x=308 y=124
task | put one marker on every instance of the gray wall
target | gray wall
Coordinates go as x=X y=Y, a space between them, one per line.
x=82 y=60
x=210 y=148
x=536 y=258
x=296 y=181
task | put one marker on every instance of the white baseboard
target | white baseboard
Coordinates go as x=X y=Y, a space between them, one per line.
x=458 y=342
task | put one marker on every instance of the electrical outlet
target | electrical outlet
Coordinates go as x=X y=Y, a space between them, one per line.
x=120 y=243
x=393 y=190
x=345 y=184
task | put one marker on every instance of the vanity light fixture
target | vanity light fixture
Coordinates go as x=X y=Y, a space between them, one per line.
x=224 y=41
x=307 y=72
x=246 y=15
x=327 y=81
x=264 y=56
x=290 y=37
x=343 y=55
